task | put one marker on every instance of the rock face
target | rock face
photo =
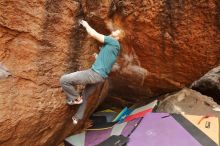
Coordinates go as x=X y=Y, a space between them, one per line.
x=37 y=38
x=209 y=84
x=188 y=101
x=168 y=45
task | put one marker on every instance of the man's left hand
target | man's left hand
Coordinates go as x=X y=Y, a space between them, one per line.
x=95 y=55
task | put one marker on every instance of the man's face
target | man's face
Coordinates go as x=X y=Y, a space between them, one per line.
x=116 y=34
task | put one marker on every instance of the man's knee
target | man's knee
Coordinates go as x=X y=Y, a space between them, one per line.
x=63 y=80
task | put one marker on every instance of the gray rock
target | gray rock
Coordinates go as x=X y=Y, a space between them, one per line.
x=188 y=101
x=209 y=84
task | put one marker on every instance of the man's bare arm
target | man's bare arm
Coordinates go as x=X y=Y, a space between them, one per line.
x=92 y=32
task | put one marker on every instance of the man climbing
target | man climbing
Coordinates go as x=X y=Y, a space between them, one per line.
x=96 y=74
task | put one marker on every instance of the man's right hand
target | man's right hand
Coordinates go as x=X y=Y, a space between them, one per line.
x=92 y=32
x=84 y=23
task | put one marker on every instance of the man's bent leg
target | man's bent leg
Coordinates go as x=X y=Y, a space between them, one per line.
x=68 y=82
x=67 y=87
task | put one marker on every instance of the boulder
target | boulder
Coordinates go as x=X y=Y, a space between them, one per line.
x=37 y=45
x=209 y=84
x=188 y=101
x=168 y=45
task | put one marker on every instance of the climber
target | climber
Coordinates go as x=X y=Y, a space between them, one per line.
x=97 y=73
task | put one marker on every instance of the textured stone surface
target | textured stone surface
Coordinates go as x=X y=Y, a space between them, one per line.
x=168 y=45
x=36 y=39
x=188 y=101
x=209 y=84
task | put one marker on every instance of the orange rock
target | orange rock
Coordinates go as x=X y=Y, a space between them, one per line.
x=36 y=40
x=168 y=45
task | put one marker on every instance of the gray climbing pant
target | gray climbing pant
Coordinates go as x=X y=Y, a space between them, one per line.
x=86 y=77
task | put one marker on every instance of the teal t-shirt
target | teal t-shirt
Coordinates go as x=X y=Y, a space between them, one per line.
x=107 y=56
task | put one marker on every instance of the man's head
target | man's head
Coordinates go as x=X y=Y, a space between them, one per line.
x=117 y=34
